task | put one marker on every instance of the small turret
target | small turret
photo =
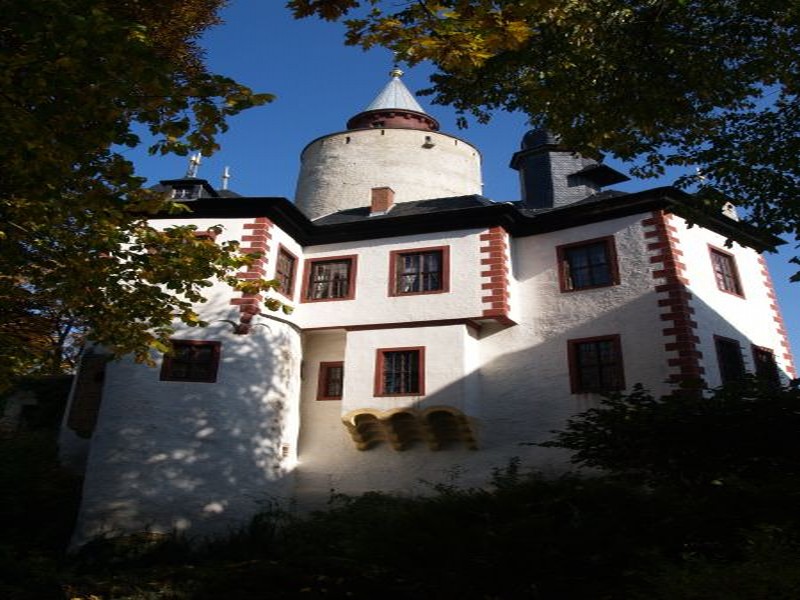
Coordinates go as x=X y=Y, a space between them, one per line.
x=552 y=175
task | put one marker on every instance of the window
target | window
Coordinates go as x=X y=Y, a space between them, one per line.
x=284 y=271
x=331 y=380
x=209 y=235
x=191 y=360
x=595 y=364
x=422 y=271
x=330 y=279
x=725 y=271
x=588 y=264
x=765 y=365
x=729 y=357
x=186 y=192
x=400 y=372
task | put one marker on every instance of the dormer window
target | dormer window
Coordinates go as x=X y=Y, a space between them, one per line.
x=186 y=192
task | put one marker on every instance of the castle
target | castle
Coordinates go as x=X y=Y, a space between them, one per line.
x=435 y=334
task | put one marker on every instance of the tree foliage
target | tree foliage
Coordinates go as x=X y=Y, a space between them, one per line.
x=748 y=431
x=711 y=84
x=78 y=80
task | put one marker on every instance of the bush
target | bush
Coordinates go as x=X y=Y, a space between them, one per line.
x=748 y=431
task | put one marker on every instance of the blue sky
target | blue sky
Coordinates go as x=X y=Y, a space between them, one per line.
x=319 y=84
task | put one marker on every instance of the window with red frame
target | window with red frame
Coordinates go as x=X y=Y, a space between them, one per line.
x=596 y=364
x=419 y=271
x=285 y=268
x=589 y=264
x=725 y=272
x=330 y=279
x=400 y=372
x=331 y=381
x=729 y=358
x=191 y=360
x=765 y=365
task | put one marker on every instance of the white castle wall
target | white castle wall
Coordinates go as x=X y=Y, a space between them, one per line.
x=748 y=318
x=338 y=171
x=202 y=457
x=195 y=457
x=514 y=381
x=372 y=303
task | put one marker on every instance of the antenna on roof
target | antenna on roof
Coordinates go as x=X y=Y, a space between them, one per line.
x=226 y=175
x=194 y=165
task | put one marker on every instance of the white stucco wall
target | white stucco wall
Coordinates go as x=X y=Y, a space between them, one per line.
x=513 y=381
x=195 y=457
x=748 y=319
x=372 y=303
x=201 y=457
x=338 y=171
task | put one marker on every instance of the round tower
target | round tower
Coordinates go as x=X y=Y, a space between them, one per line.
x=392 y=143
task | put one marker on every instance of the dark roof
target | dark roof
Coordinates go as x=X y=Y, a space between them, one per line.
x=601 y=174
x=405 y=209
x=594 y=198
x=465 y=212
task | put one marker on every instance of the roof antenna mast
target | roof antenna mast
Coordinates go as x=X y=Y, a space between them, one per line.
x=226 y=176
x=194 y=165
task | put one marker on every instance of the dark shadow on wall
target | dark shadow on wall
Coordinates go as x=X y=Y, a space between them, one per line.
x=524 y=396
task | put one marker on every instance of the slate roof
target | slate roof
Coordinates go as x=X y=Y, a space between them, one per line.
x=406 y=209
x=467 y=212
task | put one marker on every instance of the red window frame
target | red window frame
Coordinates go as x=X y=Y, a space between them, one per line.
x=324 y=381
x=172 y=362
x=308 y=270
x=610 y=373
x=726 y=273
x=395 y=256
x=565 y=268
x=286 y=289
x=208 y=234
x=384 y=360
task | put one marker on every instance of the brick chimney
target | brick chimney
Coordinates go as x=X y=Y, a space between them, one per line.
x=382 y=201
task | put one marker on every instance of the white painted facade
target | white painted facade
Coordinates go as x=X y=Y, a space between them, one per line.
x=203 y=457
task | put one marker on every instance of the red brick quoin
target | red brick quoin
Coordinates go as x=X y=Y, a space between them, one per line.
x=674 y=297
x=494 y=273
x=785 y=351
x=256 y=239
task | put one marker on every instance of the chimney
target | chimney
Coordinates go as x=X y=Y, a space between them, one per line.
x=382 y=201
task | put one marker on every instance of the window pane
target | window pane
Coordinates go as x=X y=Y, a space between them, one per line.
x=329 y=279
x=729 y=356
x=333 y=383
x=284 y=272
x=587 y=265
x=598 y=366
x=419 y=272
x=191 y=361
x=401 y=372
x=766 y=367
x=725 y=272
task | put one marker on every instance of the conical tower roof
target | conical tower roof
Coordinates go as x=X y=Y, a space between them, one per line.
x=395 y=95
x=394 y=108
